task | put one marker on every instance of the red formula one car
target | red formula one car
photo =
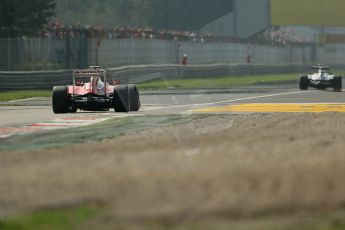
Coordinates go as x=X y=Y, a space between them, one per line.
x=91 y=92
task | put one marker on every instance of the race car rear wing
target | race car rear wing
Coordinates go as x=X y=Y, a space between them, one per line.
x=93 y=71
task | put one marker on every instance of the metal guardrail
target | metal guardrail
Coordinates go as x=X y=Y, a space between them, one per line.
x=141 y=73
x=33 y=79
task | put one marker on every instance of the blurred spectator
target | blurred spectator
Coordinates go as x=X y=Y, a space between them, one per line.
x=184 y=59
x=249 y=59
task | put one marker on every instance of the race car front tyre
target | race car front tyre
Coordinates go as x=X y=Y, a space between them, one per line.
x=303 y=83
x=337 y=83
x=134 y=101
x=126 y=98
x=60 y=99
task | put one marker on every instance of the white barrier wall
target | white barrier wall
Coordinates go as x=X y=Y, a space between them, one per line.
x=22 y=54
x=133 y=52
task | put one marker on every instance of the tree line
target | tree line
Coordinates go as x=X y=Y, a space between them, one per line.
x=26 y=17
x=22 y=17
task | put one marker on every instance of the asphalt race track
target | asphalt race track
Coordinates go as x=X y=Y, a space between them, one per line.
x=37 y=113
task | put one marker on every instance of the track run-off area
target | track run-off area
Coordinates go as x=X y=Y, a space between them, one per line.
x=33 y=115
x=246 y=154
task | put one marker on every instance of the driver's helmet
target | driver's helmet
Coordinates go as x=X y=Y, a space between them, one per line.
x=97 y=83
x=100 y=84
x=323 y=73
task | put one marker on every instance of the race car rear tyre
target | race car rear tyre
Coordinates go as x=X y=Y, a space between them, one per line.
x=303 y=83
x=121 y=102
x=337 y=84
x=126 y=98
x=134 y=101
x=60 y=99
x=72 y=109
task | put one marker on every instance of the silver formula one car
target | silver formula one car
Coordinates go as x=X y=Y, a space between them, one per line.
x=320 y=78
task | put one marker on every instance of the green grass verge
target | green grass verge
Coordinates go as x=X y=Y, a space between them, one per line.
x=217 y=82
x=23 y=94
x=68 y=219
x=81 y=217
x=188 y=83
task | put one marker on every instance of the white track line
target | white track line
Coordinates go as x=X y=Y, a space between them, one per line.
x=26 y=99
x=232 y=100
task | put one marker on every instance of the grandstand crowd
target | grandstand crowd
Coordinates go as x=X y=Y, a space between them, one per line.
x=272 y=36
x=59 y=31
